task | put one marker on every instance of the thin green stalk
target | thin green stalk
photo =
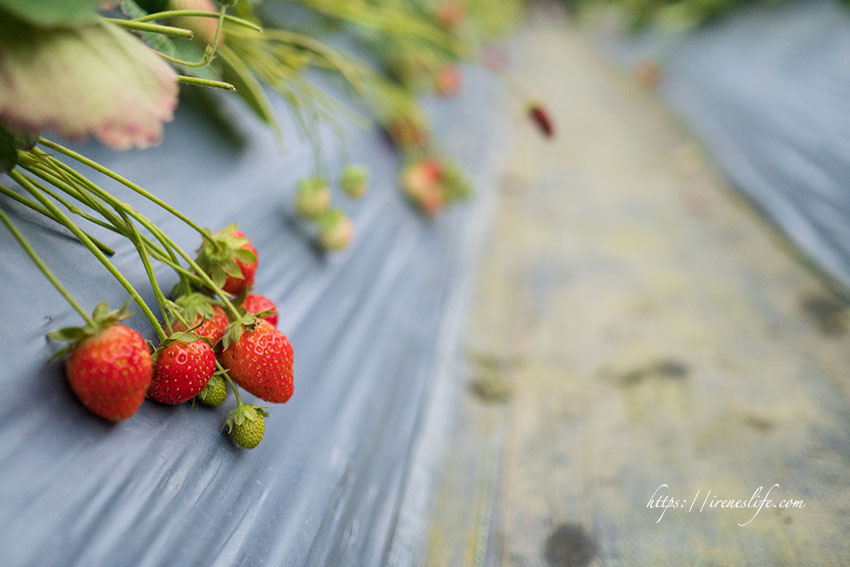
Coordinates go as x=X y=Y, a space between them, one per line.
x=168 y=243
x=152 y=28
x=43 y=267
x=20 y=179
x=230 y=381
x=187 y=80
x=146 y=262
x=166 y=256
x=126 y=182
x=196 y=14
x=42 y=211
x=209 y=51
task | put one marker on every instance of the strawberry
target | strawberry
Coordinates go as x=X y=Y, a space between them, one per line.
x=183 y=367
x=215 y=392
x=312 y=198
x=230 y=259
x=110 y=366
x=199 y=309
x=448 y=80
x=354 y=181
x=257 y=304
x=335 y=230
x=541 y=118
x=422 y=183
x=246 y=425
x=259 y=358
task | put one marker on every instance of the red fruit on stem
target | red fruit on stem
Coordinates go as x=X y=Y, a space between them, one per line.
x=237 y=285
x=540 y=116
x=181 y=371
x=212 y=328
x=255 y=303
x=261 y=362
x=110 y=372
x=229 y=259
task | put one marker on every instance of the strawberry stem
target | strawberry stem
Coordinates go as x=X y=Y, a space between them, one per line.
x=81 y=236
x=230 y=382
x=152 y=28
x=4 y=218
x=164 y=15
x=135 y=237
x=126 y=182
x=42 y=211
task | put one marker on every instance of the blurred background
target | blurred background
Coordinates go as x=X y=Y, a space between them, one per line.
x=624 y=345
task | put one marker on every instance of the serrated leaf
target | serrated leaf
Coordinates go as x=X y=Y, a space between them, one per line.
x=218 y=276
x=96 y=79
x=53 y=13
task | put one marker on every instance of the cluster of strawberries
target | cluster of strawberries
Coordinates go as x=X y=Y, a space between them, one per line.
x=313 y=203
x=111 y=368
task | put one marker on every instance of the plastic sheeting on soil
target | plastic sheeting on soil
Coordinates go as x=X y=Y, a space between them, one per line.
x=767 y=91
x=372 y=327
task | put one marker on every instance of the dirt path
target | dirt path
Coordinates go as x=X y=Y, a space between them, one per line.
x=642 y=327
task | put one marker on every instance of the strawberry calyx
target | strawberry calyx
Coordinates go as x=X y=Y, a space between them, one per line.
x=243 y=414
x=218 y=254
x=101 y=319
x=233 y=332
x=193 y=306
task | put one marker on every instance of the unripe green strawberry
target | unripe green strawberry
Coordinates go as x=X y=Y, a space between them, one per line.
x=335 y=230
x=214 y=393
x=312 y=198
x=110 y=372
x=260 y=360
x=354 y=181
x=182 y=369
x=246 y=425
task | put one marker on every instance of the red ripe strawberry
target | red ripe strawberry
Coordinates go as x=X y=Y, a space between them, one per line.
x=230 y=259
x=181 y=371
x=110 y=372
x=261 y=362
x=237 y=285
x=212 y=328
x=256 y=303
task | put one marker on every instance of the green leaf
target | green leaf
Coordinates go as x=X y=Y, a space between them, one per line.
x=231 y=268
x=68 y=334
x=53 y=13
x=245 y=255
